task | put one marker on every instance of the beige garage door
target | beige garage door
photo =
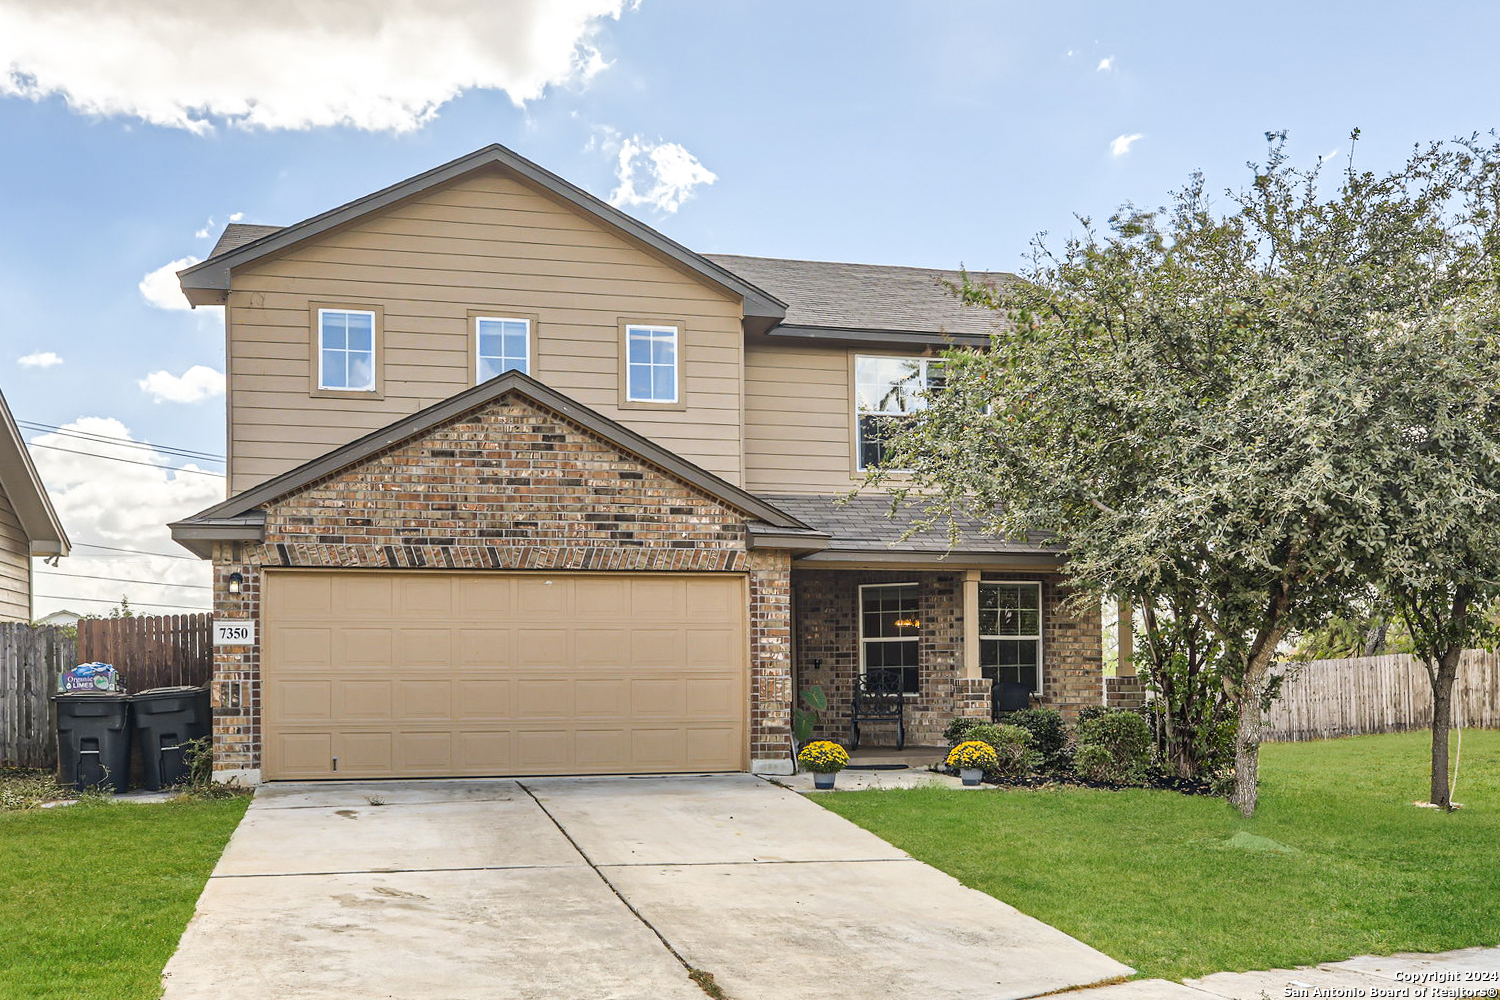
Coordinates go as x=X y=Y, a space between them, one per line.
x=369 y=674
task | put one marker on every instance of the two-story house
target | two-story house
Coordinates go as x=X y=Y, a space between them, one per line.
x=522 y=486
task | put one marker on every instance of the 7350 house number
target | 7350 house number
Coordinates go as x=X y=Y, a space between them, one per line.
x=234 y=633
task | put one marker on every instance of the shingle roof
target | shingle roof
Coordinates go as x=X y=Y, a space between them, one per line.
x=237 y=234
x=863 y=523
x=868 y=296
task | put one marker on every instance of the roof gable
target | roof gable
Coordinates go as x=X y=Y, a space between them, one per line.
x=208 y=282
x=233 y=517
x=23 y=487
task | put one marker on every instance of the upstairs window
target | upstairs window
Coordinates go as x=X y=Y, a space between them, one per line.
x=651 y=364
x=887 y=393
x=346 y=350
x=501 y=345
x=1010 y=633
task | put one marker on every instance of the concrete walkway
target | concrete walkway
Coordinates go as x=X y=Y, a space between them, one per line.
x=1472 y=972
x=586 y=889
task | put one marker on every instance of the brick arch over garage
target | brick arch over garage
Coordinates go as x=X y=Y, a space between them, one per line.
x=510 y=486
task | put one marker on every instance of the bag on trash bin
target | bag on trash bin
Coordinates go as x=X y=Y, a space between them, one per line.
x=89 y=677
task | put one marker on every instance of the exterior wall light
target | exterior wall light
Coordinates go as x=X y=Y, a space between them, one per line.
x=235 y=581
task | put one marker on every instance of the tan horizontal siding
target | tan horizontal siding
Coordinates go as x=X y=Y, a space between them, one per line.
x=15 y=565
x=797 y=420
x=487 y=242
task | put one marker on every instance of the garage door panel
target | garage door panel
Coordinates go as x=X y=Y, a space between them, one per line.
x=367 y=700
x=363 y=754
x=716 y=648
x=711 y=698
x=543 y=647
x=545 y=751
x=297 y=754
x=544 y=699
x=362 y=595
x=425 y=700
x=306 y=700
x=484 y=699
x=364 y=647
x=484 y=648
x=429 y=673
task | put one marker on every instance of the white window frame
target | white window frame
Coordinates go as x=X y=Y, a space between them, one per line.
x=1041 y=625
x=654 y=328
x=923 y=364
x=893 y=638
x=374 y=352
x=526 y=368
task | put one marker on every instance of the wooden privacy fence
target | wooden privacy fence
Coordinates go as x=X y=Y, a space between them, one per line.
x=151 y=651
x=1379 y=694
x=31 y=657
x=147 y=651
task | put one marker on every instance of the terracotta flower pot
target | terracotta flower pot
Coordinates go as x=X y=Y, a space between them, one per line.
x=824 y=781
x=971 y=775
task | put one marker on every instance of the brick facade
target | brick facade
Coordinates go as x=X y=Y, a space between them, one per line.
x=508 y=486
x=826 y=612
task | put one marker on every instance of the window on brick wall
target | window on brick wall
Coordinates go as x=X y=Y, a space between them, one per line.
x=1010 y=633
x=890 y=627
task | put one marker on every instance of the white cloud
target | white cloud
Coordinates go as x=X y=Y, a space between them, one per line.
x=39 y=359
x=293 y=64
x=192 y=386
x=160 y=287
x=120 y=505
x=1105 y=65
x=236 y=216
x=1121 y=144
x=667 y=174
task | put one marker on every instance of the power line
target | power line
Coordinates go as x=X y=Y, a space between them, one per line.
x=128 y=461
x=138 y=552
x=133 y=604
x=120 y=579
x=121 y=441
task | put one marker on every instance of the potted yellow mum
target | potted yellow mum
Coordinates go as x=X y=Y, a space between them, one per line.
x=825 y=760
x=972 y=759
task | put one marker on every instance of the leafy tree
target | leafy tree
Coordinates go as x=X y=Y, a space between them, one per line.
x=1211 y=411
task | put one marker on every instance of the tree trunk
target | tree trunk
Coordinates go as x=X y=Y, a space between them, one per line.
x=1442 y=717
x=1247 y=748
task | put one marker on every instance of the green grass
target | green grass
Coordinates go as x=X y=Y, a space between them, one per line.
x=93 y=897
x=1336 y=862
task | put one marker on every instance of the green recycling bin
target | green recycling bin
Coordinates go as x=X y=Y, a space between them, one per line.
x=166 y=719
x=93 y=740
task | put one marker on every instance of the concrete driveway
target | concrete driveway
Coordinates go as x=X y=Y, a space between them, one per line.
x=593 y=888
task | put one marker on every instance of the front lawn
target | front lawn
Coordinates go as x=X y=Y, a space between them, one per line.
x=1336 y=862
x=93 y=897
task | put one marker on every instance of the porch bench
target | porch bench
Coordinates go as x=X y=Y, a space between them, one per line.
x=878 y=699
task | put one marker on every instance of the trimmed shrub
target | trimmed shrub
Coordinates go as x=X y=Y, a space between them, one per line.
x=1113 y=747
x=1016 y=757
x=1092 y=712
x=1049 y=736
x=958 y=730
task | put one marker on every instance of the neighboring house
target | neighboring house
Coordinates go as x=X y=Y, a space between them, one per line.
x=522 y=486
x=28 y=524
x=62 y=617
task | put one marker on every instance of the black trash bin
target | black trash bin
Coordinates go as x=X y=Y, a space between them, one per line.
x=166 y=719
x=93 y=739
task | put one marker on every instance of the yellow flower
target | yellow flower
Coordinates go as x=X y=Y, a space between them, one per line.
x=973 y=754
x=823 y=757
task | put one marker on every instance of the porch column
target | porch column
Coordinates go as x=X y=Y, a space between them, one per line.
x=971 y=625
x=1124 y=639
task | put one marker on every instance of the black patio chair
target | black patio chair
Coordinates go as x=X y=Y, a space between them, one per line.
x=878 y=699
x=1007 y=697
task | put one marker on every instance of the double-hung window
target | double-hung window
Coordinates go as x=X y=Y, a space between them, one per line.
x=501 y=344
x=888 y=392
x=1010 y=633
x=651 y=364
x=346 y=349
x=889 y=635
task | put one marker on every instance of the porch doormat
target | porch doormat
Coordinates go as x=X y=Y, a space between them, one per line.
x=876 y=767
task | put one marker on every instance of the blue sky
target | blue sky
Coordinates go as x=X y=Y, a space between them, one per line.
x=906 y=133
